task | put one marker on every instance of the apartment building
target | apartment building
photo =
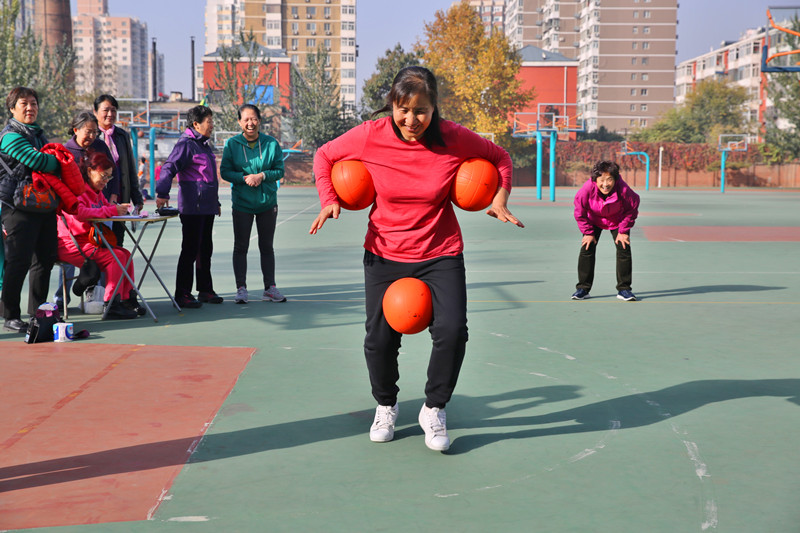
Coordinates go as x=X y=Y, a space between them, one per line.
x=625 y=51
x=738 y=62
x=492 y=13
x=112 y=52
x=297 y=26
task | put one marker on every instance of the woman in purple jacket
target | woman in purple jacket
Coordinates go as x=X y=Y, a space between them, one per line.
x=605 y=202
x=193 y=162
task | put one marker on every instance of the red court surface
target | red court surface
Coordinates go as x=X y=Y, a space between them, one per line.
x=722 y=233
x=93 y=433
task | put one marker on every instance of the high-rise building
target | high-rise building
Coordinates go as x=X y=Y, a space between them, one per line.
x=298 y=27
x=112 y=52
x=492 y=13
x=625 y=49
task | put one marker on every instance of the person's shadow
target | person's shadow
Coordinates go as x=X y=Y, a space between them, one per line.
x=703 y=289
x=633 y=410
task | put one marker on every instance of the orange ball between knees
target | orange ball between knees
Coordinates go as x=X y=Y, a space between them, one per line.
x=408 y=305
x=353 y=185
x=475 y=185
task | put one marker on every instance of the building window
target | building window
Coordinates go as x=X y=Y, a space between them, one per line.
x=645 y=61
x=310 y=43
x=646 y=29
x=645 y=77
x=326 y=12
x=643 y=107
x=633 y=92
x=635 y=29
x=633 y=107
x=294 y=12
x=311 y=12
x=633 y=61
x=645 y=45
x=633 y=76
x=636 y=14
x=311 y=26
x=643 y=92
x=646 y=14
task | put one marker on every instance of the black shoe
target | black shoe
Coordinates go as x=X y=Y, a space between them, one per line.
x=16 y=325
x=133 y=304
x=187 y=300
x=209 y=297
x=117 y=311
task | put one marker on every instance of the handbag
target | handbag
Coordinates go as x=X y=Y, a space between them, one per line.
x=40 y=328
x=95 y=239
x=27 y=197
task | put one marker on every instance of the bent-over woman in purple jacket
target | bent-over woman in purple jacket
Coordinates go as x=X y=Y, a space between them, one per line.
x=193 y=162
x=605 y=202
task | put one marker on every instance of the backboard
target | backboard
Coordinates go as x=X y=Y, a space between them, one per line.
x=732 y=142
x=556 y=117
x=781 y=52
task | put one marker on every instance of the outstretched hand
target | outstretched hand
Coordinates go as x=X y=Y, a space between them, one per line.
x=499 y=210
x=329 y=211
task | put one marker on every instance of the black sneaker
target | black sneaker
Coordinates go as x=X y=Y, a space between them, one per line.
x=187 y=300
x=133 y=304
x=209 y=297
x=115 y=310
x=16 y=325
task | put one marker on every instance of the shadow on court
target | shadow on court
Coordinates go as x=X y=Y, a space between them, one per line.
x=705 y=289
x=490 y=412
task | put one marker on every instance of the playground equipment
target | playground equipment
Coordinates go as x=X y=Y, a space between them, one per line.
x=560 y=121
x=729 y=142
x=776 y=54
x=644 y=157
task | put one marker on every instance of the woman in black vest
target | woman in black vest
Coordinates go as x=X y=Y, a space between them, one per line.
x=31 y=234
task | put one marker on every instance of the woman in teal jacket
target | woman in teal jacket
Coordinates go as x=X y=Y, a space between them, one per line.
x=253 y=163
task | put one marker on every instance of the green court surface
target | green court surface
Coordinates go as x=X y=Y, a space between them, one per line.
x=676 y=413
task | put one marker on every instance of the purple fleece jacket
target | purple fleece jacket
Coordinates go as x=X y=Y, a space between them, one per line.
x=193 y=161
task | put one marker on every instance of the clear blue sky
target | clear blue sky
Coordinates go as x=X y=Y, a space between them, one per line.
x=703 y=24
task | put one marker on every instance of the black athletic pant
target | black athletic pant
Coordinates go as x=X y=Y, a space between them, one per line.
x=31 y=247
x=446 y=278
x=586 y=260
x=196 y=250
x=265 y=226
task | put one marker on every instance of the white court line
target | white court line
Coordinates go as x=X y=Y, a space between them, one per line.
x=254 y=237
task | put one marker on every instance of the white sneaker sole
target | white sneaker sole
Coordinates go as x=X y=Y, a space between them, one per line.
x=428 y=441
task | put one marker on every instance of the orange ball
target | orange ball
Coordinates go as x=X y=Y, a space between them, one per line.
x=475 y=185
x=353 y=185
x=408 y=306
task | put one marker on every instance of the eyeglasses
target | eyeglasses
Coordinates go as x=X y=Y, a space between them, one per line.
x=107 y=176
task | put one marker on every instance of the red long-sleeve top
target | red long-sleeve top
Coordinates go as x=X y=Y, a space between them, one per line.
x=412 y=218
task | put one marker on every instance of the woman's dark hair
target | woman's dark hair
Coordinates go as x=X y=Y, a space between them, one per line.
x=248 y=106
x=81 y=119
x=408 y=83
x=601 y=167
x=105 y=98
x=17 y=93
x=94 y=161
x=197 y=114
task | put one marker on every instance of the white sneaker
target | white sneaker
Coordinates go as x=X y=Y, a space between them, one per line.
x=273 y=295
x=241 y=295
x=382 y=429
x=434 y=423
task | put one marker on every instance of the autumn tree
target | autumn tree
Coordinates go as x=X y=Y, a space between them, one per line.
x=712 y=108
x=380 y=83
x=244 y=75
x=317 y=116
x=25 y=61
x=477 y=73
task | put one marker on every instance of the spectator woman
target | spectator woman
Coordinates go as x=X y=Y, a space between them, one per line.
x=193 y=162
x=413 y=156
x=119 y=144
x=253 y=163
x=30 y=235
x=84 y=137
x=97 y=170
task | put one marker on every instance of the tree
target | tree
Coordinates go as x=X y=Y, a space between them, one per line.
x=712 y=108
x=316 y=113
x=601 y=134
x=380 y=83
x=244 y=75
x=782 y=122
x=24 y=61
x=477 y=74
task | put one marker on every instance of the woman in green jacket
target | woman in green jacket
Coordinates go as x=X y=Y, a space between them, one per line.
x=253 y=163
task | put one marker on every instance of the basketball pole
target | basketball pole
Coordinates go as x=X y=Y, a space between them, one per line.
x=553 y=140
x=538 y=165
x=722 y=171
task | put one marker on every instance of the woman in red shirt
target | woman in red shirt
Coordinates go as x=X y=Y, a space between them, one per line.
x=413 y=156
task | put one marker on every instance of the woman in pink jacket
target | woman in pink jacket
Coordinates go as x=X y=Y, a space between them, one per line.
x=605 y=202
x=97 y=170
x=413 y=156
